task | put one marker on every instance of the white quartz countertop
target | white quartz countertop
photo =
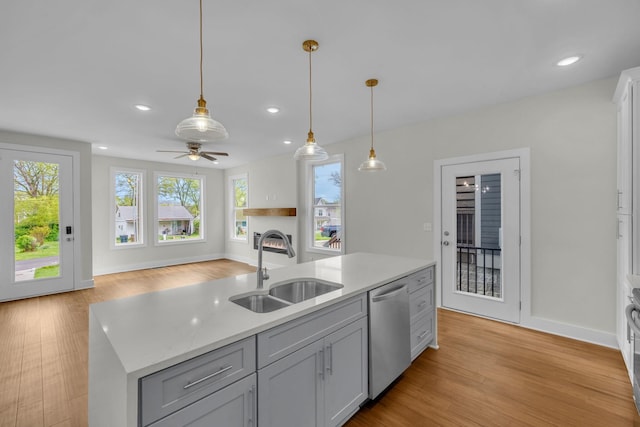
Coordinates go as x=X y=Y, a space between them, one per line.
x=156 y=330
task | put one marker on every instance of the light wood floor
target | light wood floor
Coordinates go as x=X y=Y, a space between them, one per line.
x=485 y=373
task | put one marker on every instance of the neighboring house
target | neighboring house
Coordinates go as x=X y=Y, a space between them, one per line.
x=172 y=220
x=325 y=213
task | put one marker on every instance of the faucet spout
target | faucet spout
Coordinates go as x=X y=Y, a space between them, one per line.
x=262 y=273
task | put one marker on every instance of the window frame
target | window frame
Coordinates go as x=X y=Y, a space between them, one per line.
x=310 y=232
x=203 y=202
x=141 y=240
x=232 y=210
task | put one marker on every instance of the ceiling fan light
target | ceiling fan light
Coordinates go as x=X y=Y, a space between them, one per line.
x=194 y=156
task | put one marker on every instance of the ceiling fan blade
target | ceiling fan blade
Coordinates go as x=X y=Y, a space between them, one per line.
x=214 y=153
x=182 y=155
x=208 y=157
x=168 y=151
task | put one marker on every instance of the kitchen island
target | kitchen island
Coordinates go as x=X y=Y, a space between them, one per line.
x=135 y=338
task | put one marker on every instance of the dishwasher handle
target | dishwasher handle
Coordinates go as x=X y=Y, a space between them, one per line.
x=630 y=320
x=388 y=294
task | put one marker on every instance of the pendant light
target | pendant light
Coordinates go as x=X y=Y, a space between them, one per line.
x=372 y=164
x=310 y=150
x=201 y=127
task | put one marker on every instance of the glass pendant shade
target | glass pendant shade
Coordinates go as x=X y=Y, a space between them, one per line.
x=201 y=127
x=311 y=151
x=372 y=164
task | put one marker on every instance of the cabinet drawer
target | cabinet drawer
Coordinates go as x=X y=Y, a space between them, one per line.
x=421 y=279
x=171 y=389
x=421 y=333
x=420 y=302
x=285 y=339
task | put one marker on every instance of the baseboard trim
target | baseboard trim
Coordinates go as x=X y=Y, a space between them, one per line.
x=155 y=264
x=580 y=333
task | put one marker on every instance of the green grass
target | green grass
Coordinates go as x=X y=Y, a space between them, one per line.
x=319 y=236
x=48 y=249
x=48 y=271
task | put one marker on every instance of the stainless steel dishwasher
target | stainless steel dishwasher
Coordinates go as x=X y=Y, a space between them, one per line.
x=389 y=336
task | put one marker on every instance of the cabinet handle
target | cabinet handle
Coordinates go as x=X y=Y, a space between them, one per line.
x=330 y=364
x=321 y=362
x=618 y=199
x=422 y=304
x=207 y=377
x=422 y=335
x=252 y=416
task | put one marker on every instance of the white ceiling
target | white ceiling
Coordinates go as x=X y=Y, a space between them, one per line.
x=75 y=68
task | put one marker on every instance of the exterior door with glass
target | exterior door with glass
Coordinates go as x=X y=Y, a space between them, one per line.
x=36 y=231
x=480 y=241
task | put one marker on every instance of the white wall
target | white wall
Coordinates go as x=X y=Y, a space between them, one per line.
x=272 y=184
x=109 y=260
x=572 y=138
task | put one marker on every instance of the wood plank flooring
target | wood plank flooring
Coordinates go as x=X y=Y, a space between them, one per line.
x=484 y=374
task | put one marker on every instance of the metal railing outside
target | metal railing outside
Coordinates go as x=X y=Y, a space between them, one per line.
x=479 y=271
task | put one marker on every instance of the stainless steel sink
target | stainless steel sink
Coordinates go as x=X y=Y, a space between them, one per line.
x=302 y=289
x=259 y=303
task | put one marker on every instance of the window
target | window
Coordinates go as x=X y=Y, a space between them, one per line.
x=127 y=197
x=179 y=212
x=327 y=208
x=239 y=194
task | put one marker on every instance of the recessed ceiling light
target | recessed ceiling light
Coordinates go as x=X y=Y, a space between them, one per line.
x=287 y=142
x=102 y=147
x=142 y=107
x=568 y=60
x=273 y=110
x=216 y=162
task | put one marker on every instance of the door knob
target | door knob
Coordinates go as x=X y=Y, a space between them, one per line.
x=445 y=243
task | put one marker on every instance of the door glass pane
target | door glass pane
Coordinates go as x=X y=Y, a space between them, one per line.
x=479 y=235
x=36 y=220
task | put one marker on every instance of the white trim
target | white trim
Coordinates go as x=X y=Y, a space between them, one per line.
x=525 y=220
x=141 y=214
x=121 y=268
x=203 y=202
x=75 y=178
x=310 y=237
x=231 y=220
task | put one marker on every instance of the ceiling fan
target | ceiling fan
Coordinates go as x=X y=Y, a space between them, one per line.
x=194 y=152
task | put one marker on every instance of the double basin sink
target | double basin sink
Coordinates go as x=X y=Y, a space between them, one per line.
x=284 y=294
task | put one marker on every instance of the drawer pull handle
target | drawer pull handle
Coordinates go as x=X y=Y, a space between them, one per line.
x=422 y=304
x=208 y=377
x=422 y=335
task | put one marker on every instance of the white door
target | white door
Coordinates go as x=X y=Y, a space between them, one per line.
x=480 y=238
x=36 y=231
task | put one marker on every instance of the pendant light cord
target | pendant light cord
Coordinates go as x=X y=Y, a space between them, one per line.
x=310 y=96
x=201 y=79
x=372 y=117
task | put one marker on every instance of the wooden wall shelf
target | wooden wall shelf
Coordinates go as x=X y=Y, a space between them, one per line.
x=269 y=212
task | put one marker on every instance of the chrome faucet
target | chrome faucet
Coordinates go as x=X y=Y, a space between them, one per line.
x=262 y=272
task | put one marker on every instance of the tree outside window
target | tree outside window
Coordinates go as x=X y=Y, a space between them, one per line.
x=179 y=208
x=128 y=212
x=240 y=196
x=327 y=214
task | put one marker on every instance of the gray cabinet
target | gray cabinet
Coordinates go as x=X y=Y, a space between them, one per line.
x=179 y=387
x=233 y=406
x=321 y=384
x=422 y=310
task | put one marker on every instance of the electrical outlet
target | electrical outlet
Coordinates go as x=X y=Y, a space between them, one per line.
x=427 y=226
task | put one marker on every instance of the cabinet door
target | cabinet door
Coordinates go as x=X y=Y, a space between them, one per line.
x=290 y=389
x=233 y=406
x=346 y=383
x=625 y=157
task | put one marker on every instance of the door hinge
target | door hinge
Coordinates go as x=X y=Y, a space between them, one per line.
x=520 y=308
x=516 y=172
